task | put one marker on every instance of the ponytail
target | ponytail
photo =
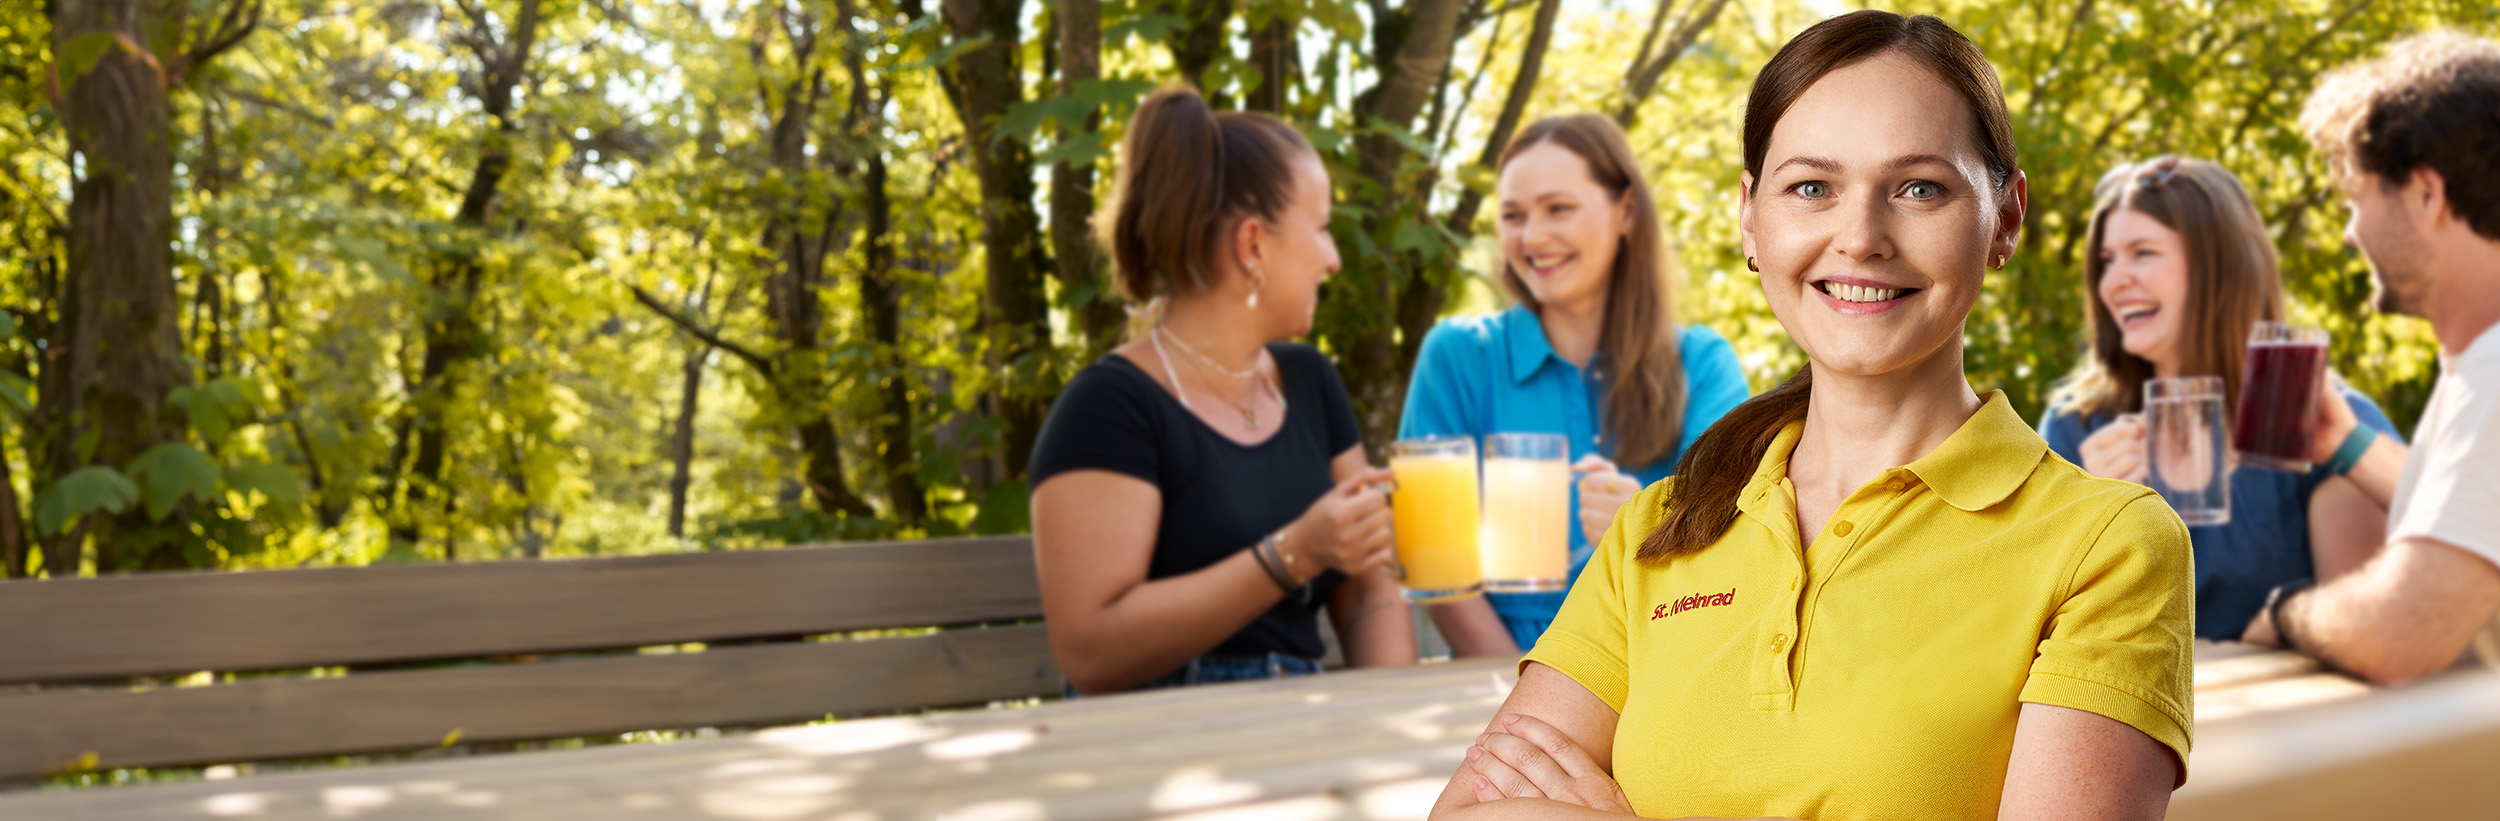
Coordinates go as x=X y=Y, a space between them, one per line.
x=1701 y=503
x=1186 y=173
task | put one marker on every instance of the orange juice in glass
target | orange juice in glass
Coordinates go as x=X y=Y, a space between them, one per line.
x=1527 y=509
x=1435 y=512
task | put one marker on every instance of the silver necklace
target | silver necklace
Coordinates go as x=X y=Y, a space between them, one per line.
x=1249 y=410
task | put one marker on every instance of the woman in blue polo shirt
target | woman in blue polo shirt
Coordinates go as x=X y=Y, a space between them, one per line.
x=1590 y=352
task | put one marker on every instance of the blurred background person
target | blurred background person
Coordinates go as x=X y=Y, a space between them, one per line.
x=2410 y=138
x=2180 y=269
x=1201 y=495
x=1591 y=351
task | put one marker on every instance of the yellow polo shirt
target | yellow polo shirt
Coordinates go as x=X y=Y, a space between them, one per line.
x=1879 y=675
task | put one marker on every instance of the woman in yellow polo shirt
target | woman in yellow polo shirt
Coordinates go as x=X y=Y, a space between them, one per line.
x=1871 y=592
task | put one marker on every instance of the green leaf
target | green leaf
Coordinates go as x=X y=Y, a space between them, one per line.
x=171 y=471
x=270 y=479
x=1154 y=28
x=80 y=54
x=13 y=392
x=1006 y=508
x=84 y=491
x=947 y=53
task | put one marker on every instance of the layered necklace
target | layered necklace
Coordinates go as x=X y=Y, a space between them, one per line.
x=1249 y=406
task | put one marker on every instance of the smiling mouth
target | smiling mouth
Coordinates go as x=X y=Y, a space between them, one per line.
x=1860 y=293
x=2128 y=315
x=1541 y=267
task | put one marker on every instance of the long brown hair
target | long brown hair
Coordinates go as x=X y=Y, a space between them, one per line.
x=1186 y=172
x=2231 y=277
x=1716 y=469
x=1644 y=410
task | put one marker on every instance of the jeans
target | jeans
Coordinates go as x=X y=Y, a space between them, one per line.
x=1216 y=669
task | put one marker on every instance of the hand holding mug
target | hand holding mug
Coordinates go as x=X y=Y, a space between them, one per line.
x=2116 y=451
x=1603 y=490
x=1347 y=530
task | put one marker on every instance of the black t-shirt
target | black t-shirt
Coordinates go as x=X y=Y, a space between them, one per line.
x=1219 y=496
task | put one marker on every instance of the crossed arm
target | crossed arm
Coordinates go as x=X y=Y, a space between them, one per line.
x=1549 y=754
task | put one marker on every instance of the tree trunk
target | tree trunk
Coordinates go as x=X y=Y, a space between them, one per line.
x=1649 y=65
x=681 y=442
x=452 y=335
x=12 y=528
x=880 y=299
x=1417 y=42
x=1015 y=314
x=1273 y=51
x=116 y=351
x=1080 y=266
x=1195 y=50
x=1462 y=220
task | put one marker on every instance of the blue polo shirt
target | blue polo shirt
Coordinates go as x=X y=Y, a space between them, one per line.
x=1480 y=375
x=2265 y=544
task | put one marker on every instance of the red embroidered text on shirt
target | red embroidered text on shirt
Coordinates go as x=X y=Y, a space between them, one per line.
x=1693 y=603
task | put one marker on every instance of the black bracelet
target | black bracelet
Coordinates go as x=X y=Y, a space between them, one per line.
x=1263 y=551
x=2275 y=599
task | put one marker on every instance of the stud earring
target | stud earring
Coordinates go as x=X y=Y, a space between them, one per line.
x=1751 y=267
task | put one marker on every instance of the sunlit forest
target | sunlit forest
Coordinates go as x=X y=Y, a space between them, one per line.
x=316 y=282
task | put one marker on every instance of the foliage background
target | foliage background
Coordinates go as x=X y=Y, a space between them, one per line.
x=803 y=270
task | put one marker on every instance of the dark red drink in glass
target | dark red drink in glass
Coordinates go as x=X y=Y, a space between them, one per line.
x=2278 y=409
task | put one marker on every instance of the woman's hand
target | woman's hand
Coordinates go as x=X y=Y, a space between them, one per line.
x=2116 y=451
x=1603 y=490
x=1528 y=758
x=1346 y=530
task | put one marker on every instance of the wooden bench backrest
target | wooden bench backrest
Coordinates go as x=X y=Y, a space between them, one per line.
x=107 y=630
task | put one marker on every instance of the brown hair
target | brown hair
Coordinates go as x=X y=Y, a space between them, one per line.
x=1186 y=172
x=2432 y=100
x=2231 y=277
x=1644 y=410
x=1702 y=502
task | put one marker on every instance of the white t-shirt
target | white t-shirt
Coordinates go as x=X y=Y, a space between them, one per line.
x=2450 y=490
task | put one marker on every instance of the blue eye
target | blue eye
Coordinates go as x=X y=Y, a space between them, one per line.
x=1811 y=189
x=1923 y=190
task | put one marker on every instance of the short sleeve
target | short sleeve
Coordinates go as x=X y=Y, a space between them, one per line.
x=1714 y=382
x=2368 y=413
x=1587 y=640
x=1104 y=420
x=1444 y=397
x=2122 y=643
x=2456 y=492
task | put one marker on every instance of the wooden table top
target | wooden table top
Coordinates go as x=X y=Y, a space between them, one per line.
x=1366 y=744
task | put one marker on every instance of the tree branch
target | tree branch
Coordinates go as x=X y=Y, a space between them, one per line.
x=758 y=361
x=230 y=30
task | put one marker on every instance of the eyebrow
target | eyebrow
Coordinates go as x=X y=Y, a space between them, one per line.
x=1541 y=197
x=1828 y=165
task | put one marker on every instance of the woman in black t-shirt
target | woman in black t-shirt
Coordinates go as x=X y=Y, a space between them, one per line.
x=1201 y=493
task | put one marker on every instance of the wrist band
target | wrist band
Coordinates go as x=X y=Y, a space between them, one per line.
x=2349 y=454
x=2273 y=608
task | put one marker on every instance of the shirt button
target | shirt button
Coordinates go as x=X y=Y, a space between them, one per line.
x=1895 y=486
x=1779 y=642
x=1841 y=529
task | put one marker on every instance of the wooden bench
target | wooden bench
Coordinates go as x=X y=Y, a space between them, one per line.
x=414 y=657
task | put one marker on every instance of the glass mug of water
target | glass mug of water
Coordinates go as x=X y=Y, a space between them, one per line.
x=2184 y=455
x=1527 y=510
x=1437 y=519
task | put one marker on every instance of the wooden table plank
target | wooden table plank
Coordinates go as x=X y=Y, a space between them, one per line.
x=1373 y=744
x=1182 y=751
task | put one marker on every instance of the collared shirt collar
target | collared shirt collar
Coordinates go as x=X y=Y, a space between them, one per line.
x=1528 y=348
x=1978 y=466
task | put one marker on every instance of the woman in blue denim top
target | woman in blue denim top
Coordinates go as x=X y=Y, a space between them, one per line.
x=1590 y=351
x=2181 y=267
